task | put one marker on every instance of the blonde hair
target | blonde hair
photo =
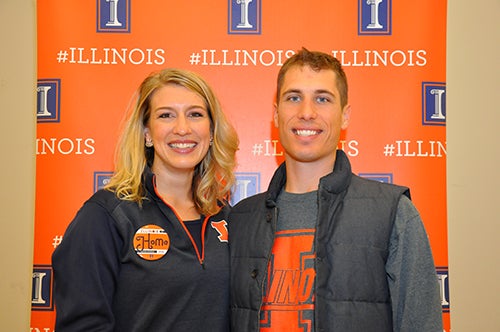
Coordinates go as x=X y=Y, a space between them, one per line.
x=213 y=176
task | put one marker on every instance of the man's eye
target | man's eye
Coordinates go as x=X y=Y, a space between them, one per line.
x=323 y=99
x=293 y=98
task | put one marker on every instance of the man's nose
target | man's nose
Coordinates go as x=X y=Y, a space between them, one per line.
x=307 y=110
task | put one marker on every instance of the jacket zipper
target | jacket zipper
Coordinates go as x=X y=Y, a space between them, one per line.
x=201 y=257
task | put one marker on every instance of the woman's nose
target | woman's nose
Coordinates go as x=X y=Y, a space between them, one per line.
x=181 y=125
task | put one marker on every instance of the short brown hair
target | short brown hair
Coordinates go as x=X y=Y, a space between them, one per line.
x=316 y=61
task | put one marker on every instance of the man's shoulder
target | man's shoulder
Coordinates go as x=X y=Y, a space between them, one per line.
x=250 y=203
x=377 y=187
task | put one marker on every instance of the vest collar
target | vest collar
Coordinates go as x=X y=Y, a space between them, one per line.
x=335 y=182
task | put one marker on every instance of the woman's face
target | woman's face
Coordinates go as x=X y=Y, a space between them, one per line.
x=180 y=128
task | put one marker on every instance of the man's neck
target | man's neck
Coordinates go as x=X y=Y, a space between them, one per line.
x=302 y=177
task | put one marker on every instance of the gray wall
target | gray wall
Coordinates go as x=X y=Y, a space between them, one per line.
x=17 y=166
x=473 y=154
x=473 y=136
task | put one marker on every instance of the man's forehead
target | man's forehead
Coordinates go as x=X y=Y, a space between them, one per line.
x=304 y=78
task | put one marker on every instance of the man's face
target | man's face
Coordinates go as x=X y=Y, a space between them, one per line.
x=309 y=115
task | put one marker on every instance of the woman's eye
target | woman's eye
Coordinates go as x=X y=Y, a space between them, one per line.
x=165 y=115
x=196 y=115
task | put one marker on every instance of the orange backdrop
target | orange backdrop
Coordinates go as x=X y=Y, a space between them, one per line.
x=92 y=55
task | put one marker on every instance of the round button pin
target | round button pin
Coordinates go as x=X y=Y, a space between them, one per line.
x=151 y=242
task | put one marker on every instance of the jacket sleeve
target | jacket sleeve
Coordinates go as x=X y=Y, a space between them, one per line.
x=412 y=278
x=86 y=266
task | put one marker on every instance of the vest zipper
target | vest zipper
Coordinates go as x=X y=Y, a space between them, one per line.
x=274 y=225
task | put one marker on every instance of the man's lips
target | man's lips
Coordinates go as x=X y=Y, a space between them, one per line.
x=306 y=132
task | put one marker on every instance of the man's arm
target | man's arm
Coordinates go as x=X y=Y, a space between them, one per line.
x=411 y=274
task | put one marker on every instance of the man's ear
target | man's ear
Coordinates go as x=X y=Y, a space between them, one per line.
x=276 y=115
x=346 y=116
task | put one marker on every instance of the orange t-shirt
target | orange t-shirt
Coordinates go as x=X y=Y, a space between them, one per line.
x=288 y=303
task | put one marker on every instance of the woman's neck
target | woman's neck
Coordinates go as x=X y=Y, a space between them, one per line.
x=176 y=191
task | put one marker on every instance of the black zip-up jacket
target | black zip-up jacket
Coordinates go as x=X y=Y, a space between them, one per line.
x=355 y=223
x=103 y=284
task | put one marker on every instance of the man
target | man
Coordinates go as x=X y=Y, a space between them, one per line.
x=323 y=249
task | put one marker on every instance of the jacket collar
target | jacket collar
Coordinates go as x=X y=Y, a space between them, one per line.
x=335 y=182
x=148 y=179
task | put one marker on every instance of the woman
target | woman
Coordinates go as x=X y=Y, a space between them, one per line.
x=149 y=252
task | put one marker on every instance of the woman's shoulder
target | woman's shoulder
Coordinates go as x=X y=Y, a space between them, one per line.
x=104 y=196
x=105 y=200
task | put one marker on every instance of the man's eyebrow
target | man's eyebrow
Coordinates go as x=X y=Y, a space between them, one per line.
x=324 y=91
x=292 y=91
x=315 y=91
